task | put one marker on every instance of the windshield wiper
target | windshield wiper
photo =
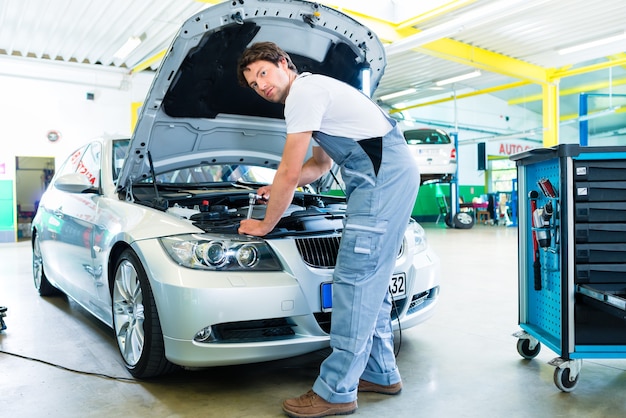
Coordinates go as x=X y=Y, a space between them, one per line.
x=248 y=185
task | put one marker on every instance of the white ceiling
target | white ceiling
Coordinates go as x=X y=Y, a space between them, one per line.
x=508 y=40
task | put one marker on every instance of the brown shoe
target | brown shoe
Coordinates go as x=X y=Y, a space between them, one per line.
x=310 y=405
x=365 y=386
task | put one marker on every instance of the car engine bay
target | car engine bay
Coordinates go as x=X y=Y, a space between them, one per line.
x=221 y=209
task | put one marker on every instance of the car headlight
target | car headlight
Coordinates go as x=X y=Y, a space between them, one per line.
x=207 y=252
x=419 y=236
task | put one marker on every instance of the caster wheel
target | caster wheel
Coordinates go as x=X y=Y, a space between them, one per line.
x=523 y=348
x=562 y=380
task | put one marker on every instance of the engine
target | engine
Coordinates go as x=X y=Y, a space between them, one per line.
x=308 y=214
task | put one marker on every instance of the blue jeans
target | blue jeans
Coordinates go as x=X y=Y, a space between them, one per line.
x=379 y=207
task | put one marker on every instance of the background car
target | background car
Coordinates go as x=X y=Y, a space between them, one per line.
x=435 y=153
x=142 y=232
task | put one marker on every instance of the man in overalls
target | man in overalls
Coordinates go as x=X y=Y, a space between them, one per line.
x=381 y=180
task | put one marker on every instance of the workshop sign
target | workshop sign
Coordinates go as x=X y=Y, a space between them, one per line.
x=509 y=148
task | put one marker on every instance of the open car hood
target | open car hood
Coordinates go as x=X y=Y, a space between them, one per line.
x=196 y=111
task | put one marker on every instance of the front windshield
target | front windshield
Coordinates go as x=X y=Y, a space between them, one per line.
x=202 y=174
x=217 y=173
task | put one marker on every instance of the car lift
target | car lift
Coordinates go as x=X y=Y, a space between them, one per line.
x=456 y=218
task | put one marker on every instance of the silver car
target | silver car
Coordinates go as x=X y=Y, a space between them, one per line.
x=142 y=232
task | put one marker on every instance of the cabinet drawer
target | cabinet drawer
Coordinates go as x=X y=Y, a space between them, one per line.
x=596 y=191
x=600 y=253
x=590 y=233
x=594 y=170
x=600 y=212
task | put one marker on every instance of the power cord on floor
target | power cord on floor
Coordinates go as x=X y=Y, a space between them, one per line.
x=395 y=308
x=100 y=375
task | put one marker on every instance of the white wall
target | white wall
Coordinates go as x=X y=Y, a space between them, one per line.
x=37 y=98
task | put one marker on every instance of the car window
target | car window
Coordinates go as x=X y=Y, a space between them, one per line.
x=89 y=165
x=425 y=136
x=229 y=173
x=120 y=147
x=71 y=164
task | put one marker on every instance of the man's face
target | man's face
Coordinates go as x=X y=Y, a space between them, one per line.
x=270 y=81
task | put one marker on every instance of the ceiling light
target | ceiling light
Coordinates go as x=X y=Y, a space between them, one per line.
x=398 y=94
x=366 y=81
x=461 y=77
x=129 y=46
x=592 y=44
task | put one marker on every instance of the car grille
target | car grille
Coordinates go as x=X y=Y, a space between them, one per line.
x=319 y=252
x=422 y=300
x=322 y=252
x=252 y=331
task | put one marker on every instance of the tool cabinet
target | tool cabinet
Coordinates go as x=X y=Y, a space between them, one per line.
x=572 y=287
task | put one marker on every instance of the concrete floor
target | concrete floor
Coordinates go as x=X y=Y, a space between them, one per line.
x=461 y=363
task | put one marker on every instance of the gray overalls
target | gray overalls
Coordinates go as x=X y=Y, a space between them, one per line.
x=382 y=181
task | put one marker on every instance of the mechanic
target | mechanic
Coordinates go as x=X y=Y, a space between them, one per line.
x=381 y=180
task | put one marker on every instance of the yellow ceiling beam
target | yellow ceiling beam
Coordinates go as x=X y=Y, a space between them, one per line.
x=455 y=51
x=386 y=31
x=618 y=57
x=574 y=90
x=437 y=11
x=464 y=95
x=147 y=63
x=557 y=74
x=483 y=59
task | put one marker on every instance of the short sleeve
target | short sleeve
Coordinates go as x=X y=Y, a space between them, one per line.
x=305 y=106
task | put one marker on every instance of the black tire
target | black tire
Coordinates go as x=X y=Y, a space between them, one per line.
x=136 y=320
x=523 y=348
x=448 y=220
x=463 y=220
x=561 y=379
x=43 y=286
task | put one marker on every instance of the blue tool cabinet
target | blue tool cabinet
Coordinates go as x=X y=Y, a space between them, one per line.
x=572 y=255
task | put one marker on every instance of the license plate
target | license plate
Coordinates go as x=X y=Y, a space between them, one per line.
x=397 y=288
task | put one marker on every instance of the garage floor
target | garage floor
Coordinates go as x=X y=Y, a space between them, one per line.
x=461 y=363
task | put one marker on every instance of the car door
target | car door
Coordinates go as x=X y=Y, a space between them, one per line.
x=68 y=252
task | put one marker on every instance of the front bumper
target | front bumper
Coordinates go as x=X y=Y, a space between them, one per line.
x=258 y=316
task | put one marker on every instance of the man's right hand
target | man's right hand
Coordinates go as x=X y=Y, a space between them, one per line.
x=264 y=192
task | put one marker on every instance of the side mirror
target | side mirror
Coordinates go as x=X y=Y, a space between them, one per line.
x=75 y=183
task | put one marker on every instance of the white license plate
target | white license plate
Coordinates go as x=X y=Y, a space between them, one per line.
x=397 y=289
x=397 y=286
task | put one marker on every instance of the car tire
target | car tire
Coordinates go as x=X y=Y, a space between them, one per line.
x=43 y=286
x=463 y=220
x=136 y=320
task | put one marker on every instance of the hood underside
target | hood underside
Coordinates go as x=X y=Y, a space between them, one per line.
x=196 y=112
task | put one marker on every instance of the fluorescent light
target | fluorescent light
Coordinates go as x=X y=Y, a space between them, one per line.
x=461 y=77
x=398 y=94
x=592 y=44
x=129 y=46
x=366 y=81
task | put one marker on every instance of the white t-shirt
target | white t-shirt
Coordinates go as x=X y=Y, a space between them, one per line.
x=320 y=103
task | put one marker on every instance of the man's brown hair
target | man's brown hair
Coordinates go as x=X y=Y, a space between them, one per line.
x=262 y=51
